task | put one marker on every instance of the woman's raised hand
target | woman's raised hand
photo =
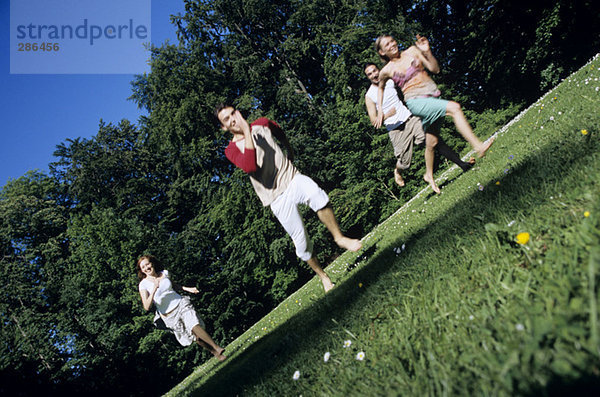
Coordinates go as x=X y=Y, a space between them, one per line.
x=422 y=43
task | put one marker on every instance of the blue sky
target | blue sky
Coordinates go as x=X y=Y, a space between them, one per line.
x=38 y=111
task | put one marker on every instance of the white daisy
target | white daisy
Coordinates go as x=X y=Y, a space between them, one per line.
x=519 y=327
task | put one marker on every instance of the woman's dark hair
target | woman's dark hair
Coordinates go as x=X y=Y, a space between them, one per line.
x=158 y=267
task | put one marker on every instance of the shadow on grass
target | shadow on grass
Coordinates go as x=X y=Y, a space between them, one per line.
x=584 y=386
x=517 y=190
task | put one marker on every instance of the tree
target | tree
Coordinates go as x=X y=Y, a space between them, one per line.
x=32 y=238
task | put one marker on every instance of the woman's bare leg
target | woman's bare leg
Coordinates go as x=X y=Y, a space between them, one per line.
x=204 y=340
x=454 y=110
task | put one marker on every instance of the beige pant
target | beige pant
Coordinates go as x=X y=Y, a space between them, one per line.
x=403 y=140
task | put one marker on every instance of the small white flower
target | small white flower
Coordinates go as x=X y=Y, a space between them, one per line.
x=542 y=127
x=551 y=118
x=360 y=356
x=347 y=343
x=519 y=327
x=471 y=317
x=326 y=356
x=296 y=375
x=511 y=223
x=559 y=113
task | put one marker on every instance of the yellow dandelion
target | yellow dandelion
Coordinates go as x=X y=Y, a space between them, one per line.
x=584 y=132
x=359 y=285
x=586 y=213
x=523 y=238
x=497 y=182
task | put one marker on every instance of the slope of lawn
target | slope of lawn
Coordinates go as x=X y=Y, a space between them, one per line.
x=443 y=299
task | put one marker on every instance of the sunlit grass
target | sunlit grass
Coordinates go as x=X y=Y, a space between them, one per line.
x=490 y=288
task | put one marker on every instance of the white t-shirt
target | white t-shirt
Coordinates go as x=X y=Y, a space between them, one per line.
x=165 y=298
x=390 y=100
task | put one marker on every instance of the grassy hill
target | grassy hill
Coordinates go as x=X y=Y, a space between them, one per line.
x=444 y=298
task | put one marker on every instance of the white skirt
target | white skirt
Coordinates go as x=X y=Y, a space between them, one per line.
x=182 y=320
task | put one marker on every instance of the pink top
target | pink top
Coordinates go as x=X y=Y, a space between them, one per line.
x=401 y=79
x=416 y=83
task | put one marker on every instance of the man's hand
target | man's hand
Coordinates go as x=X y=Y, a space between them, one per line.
x=241 y=122
x=390 y=113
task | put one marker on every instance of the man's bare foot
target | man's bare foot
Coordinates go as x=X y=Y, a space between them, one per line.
x=327 y=284
x=398 y=178
x=484 y=147
x=351 y=244
x=467 y=165
x=219 y=355
x=431 y=182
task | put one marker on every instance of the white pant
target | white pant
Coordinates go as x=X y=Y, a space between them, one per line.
x=301 y=190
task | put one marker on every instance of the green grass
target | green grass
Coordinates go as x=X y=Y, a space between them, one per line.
x=463 y=309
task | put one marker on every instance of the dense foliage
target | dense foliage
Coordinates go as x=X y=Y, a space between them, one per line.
x=71 y=315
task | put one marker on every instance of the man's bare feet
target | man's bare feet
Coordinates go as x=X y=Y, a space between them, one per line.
x=431 y=182
x=219 y=355
x=327 y=284
x=398 y=178
x=484 y=147
x=351 y=244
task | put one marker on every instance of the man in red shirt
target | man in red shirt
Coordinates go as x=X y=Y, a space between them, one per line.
x=279 y=184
